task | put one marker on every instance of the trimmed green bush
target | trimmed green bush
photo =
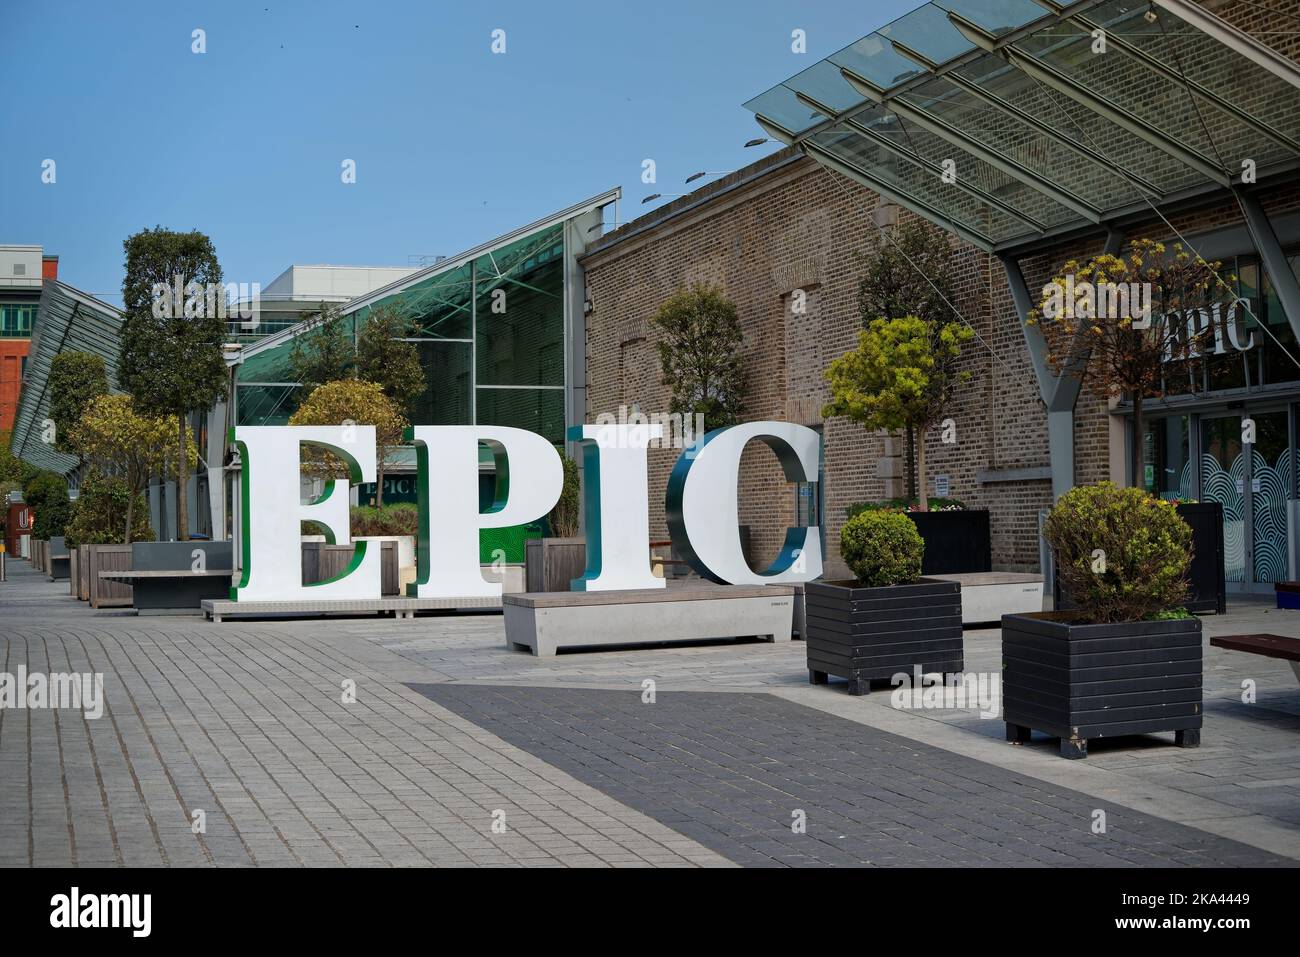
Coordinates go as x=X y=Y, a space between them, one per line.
x=882 y=548
x=1121 y=555
x=402 y=518
x=99 y=514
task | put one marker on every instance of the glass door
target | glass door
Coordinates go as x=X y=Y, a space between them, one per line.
x=1247 y=466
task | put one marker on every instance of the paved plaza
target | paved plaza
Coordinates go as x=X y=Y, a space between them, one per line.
x=456 y=751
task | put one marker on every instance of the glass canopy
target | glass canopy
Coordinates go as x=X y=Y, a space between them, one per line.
x=1011 y=120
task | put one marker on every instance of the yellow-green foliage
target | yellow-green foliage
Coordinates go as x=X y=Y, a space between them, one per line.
x=1121 y=555
x=354 y=401
x=882 y=548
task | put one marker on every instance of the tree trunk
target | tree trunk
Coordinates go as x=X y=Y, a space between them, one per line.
x=182 y=487
x=130 y=517
x=911 y=464
x=1136 y=451
x=923 y=500
x=379 y=474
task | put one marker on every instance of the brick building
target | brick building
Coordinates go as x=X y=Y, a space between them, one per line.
x=1183 y=125
x=23 y=269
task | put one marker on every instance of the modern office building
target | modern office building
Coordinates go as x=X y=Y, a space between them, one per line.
x=23 y=269
x=1032 y=133
x=304 y=288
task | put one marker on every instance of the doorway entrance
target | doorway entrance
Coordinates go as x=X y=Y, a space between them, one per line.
x=1247 y=465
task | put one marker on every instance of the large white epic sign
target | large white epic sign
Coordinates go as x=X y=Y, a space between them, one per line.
x=702 y=506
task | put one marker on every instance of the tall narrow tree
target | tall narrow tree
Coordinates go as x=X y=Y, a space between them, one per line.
x=171 y=360
x=76 y=378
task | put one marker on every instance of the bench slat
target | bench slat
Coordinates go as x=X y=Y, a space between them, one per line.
x=1270 y=646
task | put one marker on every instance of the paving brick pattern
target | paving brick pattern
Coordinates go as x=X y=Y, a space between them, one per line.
x=246 y=723
x=732 y=770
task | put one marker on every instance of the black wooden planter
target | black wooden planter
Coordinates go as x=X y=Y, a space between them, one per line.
x=1077 y=682
x=866 y=634
x=956 y=542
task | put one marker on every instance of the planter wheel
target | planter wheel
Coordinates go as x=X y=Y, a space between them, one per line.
x=1188 y=738
x=1018 y=733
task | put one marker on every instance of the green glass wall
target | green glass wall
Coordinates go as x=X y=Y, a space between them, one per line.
x=490 y=336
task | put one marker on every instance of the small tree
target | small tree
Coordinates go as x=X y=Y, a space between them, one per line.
x=355 y=402
x=100 y=510
x=907 y=271
x=563 y=518
x=171 y=360
x=1127 y=352
x=75 y=379
x=901 y=375
x=323 y=351
x=385 y=358
x=699 y=352
x=133 y=447
x=1119 y=347
x=47 y=494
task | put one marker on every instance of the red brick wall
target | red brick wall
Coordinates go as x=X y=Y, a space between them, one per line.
x=12 y=352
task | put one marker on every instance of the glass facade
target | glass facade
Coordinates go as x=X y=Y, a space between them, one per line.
x=17 y=319
x=490 y=335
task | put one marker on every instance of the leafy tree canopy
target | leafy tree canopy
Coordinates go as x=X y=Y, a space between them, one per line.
x=75 y=379
x=700 y=341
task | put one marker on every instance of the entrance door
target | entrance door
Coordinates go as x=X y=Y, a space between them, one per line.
x=1246 y=465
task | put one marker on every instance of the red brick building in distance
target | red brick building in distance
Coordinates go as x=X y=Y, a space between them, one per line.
x=22 y=271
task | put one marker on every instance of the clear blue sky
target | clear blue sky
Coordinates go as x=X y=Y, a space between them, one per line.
x=454 y=145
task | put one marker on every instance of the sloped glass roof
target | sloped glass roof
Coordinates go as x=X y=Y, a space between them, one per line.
x=1017 y=119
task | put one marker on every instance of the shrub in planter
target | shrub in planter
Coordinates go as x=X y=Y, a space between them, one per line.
x=1125 y=659
x=887 y=621
x=99 y=514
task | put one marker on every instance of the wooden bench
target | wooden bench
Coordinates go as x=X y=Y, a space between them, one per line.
x=543 y=622
x=1270 y=646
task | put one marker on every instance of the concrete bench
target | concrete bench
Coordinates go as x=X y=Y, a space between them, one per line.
x=171 y=591
x=987 y=596
x=543 y=622
x=1270 y=646
x=219 y=609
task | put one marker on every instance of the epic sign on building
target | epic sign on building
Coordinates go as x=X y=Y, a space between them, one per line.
x=702 y=505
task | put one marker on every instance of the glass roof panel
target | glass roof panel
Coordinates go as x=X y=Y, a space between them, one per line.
x=782 y=107
x=996 y=16
x=1158 y=101
x=975 y=172
x=1218 y=69
x=824 y=84
x=929 y=32
x=1099 y=185
x=874 y=58
x=912 y=180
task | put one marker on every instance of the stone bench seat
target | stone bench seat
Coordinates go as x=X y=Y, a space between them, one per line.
x=543 y=622
x=987 y=596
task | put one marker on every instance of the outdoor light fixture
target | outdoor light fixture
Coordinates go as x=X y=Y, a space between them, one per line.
x=758 y=142
x=652 y=196
x=710 y=172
